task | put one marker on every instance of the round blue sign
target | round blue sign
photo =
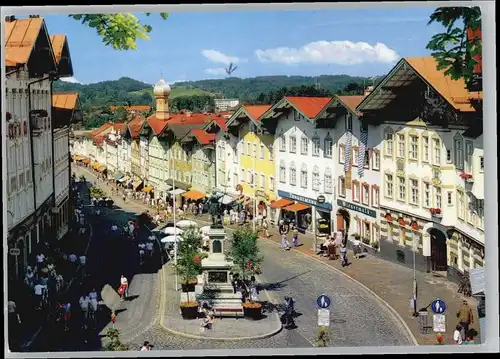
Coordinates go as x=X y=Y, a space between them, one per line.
x=324 y=301
x=438 y=306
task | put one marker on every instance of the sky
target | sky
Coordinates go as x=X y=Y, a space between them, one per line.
x=191 y=46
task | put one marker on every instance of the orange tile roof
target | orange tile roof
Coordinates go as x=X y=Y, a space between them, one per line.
x=157 y=124
x=134 y=126
x=119 y=126
x=453 y=91
x=131 y=108
x=256 y=111
x=351 y=102
x=20 y=37
x=58 y=45
x=203 y=137
x=101 y=129
x=65 y=100
x=309 y=106
x=99 y=140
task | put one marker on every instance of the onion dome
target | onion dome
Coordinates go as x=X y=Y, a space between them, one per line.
x=162 y=89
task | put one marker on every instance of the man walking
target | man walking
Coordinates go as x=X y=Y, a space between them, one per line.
x=465 y=318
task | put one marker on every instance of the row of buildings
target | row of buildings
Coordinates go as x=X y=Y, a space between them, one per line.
x=401 y=166
x=37 y=167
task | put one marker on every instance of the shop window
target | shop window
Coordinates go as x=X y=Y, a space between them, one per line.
x=366 y=232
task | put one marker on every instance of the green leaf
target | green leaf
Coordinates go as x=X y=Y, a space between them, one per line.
x=164 y=15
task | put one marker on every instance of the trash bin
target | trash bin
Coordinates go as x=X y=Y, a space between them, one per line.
x=423 y=322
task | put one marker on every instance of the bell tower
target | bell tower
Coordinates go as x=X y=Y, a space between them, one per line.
x=161 y=92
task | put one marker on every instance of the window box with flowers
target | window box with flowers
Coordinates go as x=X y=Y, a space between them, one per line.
x=467 y=177
x=436 y=212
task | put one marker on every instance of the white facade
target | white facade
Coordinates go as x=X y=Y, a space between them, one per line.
x=143 y=151
x=158 y=166
x=111 y=150
x=304 y=167
x=62 y=181
x=126 y=153
x=358 y=197
x=227 y=163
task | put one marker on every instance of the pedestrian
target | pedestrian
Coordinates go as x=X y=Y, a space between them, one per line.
x=29 y=277
x=123 y=291
x=146 y=347
x=84 y=306
x=465 y=318
x=83 y=262
x=295 y=238
x=284 y=242
x=265 y=225
x=113 y=319
x=38 y=289
x=343 y=254
x=356 y=247
x=150 y=248
x=457 y=335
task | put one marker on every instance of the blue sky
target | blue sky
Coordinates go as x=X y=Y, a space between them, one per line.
x=195 y=46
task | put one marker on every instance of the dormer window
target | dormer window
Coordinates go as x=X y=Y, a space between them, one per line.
x=348 y=122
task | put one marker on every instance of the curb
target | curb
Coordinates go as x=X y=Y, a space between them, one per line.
x=381 y=300
x=192 y=336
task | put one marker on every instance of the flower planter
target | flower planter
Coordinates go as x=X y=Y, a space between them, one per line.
x=437 y=215
x=469 y=180
x=252 y=311
x=190 y=312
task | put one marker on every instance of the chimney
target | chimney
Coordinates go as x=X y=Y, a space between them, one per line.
x=368 y=90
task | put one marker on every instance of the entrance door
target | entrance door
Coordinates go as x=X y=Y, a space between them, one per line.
x=340 y=222
x=438 y=251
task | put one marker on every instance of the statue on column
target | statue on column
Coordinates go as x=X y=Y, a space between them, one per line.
x=215 y=211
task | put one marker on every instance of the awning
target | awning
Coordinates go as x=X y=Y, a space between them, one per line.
x=194 y=195
x=86 y=161
x=118 y=175
x=227 y=199
x=101 y=168
x=136 y=185
x=176 y=191
x=124 y=179
x=297 y=207
x=178 y=184
x=147 y=189
x=281 y=203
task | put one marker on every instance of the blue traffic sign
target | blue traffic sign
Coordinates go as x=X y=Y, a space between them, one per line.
x=438 y=306
x=324 y=301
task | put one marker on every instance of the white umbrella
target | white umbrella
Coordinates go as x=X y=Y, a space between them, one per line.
x=186 y=223
x=171 y=239
x=204 y=230
x=172 y=230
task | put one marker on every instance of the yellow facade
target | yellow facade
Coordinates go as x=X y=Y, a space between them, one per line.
x=181 y=167
x=135 y=159
x=260 y=161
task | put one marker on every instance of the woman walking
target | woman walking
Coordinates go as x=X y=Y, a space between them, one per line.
x=295 y=238
x=285 y=245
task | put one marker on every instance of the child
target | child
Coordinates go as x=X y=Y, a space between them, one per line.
x=113 y=319
x=457 y=335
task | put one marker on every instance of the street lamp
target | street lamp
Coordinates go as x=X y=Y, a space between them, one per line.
x=175 y=226
x=414 y=247
x=258 y=132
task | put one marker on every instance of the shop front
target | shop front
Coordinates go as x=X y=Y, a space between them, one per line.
x=308 y=213
x=178 y=188
x=359 y=220
x=263 y=203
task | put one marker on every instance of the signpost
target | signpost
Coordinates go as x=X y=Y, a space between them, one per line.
x=323 y=303
x=14 y=251
x=439 y=323
x=438 y=306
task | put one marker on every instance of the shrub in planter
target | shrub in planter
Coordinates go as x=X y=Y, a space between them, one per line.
x=188 y=265
x=322 y=337
x=252 y=310
x=114 y=341
x=245 y=253
x=366 y=241
x=189 y=309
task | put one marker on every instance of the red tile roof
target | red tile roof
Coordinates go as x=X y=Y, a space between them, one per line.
x=99 y=140
x=309 y=106
x=131 y=108
x=134 y=126
x=157 y=124
x=101 y=129
x=351 y=102
x=203 y=137
x=256 y=111
x=119 y=126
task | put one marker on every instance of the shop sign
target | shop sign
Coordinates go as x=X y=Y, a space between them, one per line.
x=356 y=208
x=305 y=200
x=262 y=194
x=14 y=251
x=321 y=199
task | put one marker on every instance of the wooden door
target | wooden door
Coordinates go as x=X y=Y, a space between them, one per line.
x=438 y=252
x=340 y=222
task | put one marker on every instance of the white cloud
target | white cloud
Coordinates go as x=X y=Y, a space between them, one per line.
x=217 y=71
x=219 y=57
x=330 y=52
x=71 y=80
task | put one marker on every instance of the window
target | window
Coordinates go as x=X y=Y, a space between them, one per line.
x=282 y=172
x=293 y=144
x=437 y=151
x=236 y=155
x=271 y=153
x=293 y=174
x=366 y=230
x=438 y=196
x=449 y=200
x=367 y=159
x=413 y=147
x=262 y=152
x=348 y=122
x=249 y=149
x=327 y=152
x=243 y=175
x=250 y=178
x=414 y=191
x=315 y=179
x=425 y=149
x=255 y=177
x=401 y=189
x=389 y=142
x=316 y=145
x=282 y=142
x=341 y=153
x=375 y=196
x=469 y=150
x=427 y=195
x=448 y=156
x=460 y=205
x=401 y=145
x=459 y=153
x=481 y=163
x=235 y=179
x=376 y=160
x=355 y=191
x=254 y=150
x=480 y=214
x=271 y=183
x=304 y=146
x=262 y=181
x=341 y=187
x=303 y=176
x=296 y=116
x=328 y=180
x=389 y=185
x=365 y=194
x=354 y=157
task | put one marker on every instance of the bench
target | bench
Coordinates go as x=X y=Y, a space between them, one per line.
x=228 y=312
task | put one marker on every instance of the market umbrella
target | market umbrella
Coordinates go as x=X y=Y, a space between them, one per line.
x=186 y=223
x=204 y=230
x=171 y=239
x=172 y=230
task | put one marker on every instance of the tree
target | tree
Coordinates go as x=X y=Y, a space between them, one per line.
x=245 y=252
x=120 y=31
x=453 y=50
x=189 y=262
x=322 y=337
x=115 y=343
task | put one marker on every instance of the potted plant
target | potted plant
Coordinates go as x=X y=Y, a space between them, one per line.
x=436 y=212
x=115 y=343
x=246 y=257
x=322 y=337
